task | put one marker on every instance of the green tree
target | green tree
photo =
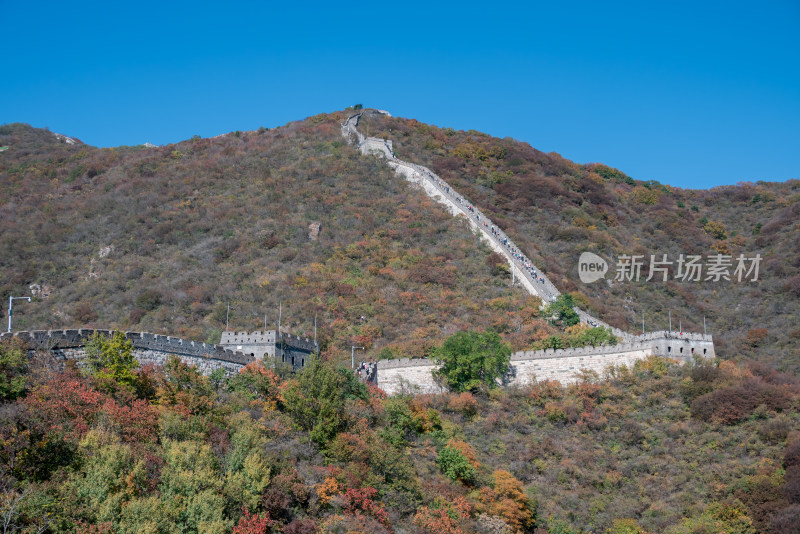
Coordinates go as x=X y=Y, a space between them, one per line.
x=185 y=385
x=247 y=471
x=625 y=526
x=13 y=366
x=111 y=358
x=190 y=483
x=594 y=336
x=318 y=397
x=455 y=465
x=716 y=229
x=718 y=517
x=471 y=360
x=98 y=487
x=561 y=311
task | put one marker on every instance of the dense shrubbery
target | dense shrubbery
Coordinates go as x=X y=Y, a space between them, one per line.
x=227 y=220
x=653 y=448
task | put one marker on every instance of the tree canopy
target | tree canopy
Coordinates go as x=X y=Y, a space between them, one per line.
x=472 y=360
x=317 y=399
x=561 y=311
x=112 y=358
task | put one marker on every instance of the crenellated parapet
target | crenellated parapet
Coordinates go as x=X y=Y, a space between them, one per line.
x=280 y=346
x=671 y=334
x=75 y=339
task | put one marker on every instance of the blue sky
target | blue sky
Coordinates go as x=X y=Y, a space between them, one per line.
x=693 y=94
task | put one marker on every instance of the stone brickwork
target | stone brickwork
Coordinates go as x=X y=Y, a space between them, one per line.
x=155 y=357
x=373 y=145
x=236 y=349
x=405 y=375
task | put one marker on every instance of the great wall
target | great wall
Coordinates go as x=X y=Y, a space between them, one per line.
x=415 y=375
x=237 y=349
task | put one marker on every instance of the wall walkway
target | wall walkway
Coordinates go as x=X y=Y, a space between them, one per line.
x=530 y=277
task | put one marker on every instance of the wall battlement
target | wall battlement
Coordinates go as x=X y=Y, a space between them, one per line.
x=64 y=339
x=267 y=337
x=231 y=337
x=281 y=346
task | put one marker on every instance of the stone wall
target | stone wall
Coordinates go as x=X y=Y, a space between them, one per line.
x=415 y=375
x=566 y=368
x=147 y=356
x=237 y=350
x=405 y=375
x=148 y=348
x=375 y=145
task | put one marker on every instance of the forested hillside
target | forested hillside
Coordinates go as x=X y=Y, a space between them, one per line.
x=163 y=239
x=660 y=448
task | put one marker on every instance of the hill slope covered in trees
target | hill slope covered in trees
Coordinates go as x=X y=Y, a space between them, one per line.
x=690 y=449
x=162 y=239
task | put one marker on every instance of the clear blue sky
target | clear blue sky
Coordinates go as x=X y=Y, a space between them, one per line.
x=693 y=94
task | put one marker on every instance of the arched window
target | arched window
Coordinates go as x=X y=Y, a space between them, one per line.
x=669 y=349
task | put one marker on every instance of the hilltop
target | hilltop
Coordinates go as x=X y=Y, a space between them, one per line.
x=162 y=239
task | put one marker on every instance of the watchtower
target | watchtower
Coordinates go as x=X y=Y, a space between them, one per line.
x=283 y=347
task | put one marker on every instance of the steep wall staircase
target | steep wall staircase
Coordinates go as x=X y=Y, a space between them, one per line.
x=529 y=275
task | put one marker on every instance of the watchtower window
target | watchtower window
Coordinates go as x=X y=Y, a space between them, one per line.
x=303 y=362
x=669 y=349
x=681 y=350
x=292 y=361
x=704 y=351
